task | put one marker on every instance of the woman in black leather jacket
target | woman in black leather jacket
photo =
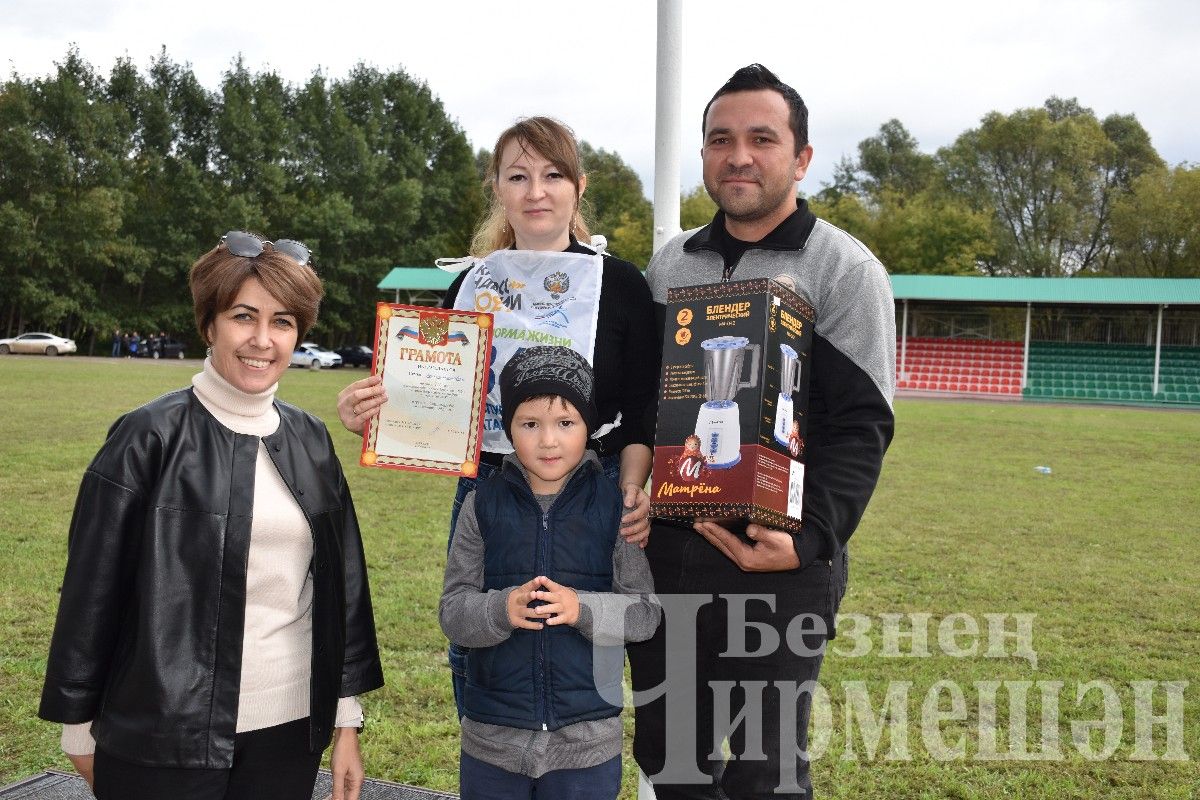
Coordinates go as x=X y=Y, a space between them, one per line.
x=215 y=623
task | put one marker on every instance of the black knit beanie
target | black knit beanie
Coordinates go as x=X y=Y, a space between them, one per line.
x=548 y=370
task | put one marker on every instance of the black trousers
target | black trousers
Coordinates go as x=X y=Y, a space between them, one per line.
x=758 y=641
x=268 y=764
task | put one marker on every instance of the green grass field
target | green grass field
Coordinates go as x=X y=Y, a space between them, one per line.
x=1105 y=552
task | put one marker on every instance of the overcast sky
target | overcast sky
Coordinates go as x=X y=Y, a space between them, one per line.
x=936 y=66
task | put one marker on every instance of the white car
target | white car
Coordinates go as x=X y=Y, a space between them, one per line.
x=42 y=343
x=314 y=356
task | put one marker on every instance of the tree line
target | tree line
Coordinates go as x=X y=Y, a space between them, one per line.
x=1042 y=192
x=111 y=185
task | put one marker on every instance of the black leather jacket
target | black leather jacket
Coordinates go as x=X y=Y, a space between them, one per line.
x=148 y=641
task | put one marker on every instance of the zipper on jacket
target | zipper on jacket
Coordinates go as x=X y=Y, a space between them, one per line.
x=542 y=666
x=513 y=476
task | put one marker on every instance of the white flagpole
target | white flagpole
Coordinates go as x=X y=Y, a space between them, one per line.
x=666 y=121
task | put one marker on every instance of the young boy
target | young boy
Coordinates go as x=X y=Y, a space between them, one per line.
x=545 y=592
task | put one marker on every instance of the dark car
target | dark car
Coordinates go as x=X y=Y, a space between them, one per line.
x=356 y=355
x=166 y=347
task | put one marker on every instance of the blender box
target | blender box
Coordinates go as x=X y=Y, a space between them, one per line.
x=729 y=444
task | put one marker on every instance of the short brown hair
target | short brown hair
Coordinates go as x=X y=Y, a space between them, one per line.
x=218 y=275
x=553 y=141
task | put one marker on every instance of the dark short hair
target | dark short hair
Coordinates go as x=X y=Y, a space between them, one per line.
x=756 y=78
x=218 y=275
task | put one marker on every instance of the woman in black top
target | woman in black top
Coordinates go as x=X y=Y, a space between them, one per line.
x=536 y=185
x=536 y=182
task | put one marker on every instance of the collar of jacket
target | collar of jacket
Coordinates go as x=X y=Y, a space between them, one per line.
x=281 y=447
x=791 y=234
x=514 y=471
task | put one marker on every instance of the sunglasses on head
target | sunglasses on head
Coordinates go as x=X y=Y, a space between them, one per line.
x=247 y=245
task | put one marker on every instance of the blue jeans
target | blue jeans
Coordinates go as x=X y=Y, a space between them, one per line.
x=458 y=655
x=478 y=780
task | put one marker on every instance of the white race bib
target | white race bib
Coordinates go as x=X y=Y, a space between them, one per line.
x=536 y=298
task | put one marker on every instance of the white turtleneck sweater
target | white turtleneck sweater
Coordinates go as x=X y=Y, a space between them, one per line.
x=277 y=641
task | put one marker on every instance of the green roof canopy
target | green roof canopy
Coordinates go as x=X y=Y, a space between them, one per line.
x=416 y=278
x=1055 y=291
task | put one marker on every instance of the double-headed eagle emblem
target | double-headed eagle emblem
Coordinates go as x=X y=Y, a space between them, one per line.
x=434 y=329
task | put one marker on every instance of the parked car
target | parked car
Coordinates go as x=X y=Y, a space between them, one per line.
x=44 y=343
x=314 y=356
x=164 y=348
x=356 y=355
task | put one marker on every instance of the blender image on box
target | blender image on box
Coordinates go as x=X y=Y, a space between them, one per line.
x=729 y=444
x=719 y=422
x=789 y=372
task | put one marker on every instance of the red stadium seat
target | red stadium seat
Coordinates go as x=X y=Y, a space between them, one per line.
x=960 y=365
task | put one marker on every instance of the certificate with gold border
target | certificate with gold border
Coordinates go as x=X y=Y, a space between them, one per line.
x=434 y=364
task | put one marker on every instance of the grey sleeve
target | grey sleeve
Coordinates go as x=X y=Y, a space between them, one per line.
x=630 y=612
x=858 y=317
x=470 y=616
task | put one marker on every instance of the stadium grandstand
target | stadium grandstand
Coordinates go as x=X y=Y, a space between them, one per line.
x=1095 y=340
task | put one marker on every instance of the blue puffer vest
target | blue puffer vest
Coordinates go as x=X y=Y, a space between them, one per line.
x=543 y=680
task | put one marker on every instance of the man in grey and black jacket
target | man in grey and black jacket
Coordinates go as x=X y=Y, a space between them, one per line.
x=761 y=636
